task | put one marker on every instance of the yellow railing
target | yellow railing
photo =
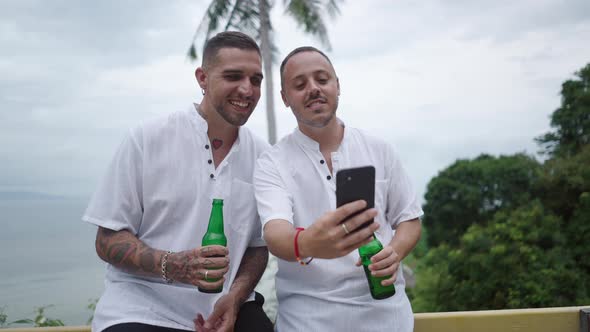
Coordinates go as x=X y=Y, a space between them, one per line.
x=566 y=319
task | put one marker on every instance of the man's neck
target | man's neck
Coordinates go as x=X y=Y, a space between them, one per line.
x=222 y=135
x=218 y=128
x=328 y=137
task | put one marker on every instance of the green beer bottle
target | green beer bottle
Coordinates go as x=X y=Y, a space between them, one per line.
x=214 y=235
x=378 y=291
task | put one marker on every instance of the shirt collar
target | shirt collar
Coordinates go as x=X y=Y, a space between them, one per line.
x=305 y=140
x=309 y=143
x=198 y=120
x=236 y=146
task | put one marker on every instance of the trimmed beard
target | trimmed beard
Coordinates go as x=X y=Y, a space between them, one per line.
x=233 y=119
x=316 y=123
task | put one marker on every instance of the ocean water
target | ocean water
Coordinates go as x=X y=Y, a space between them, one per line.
x=47 y=257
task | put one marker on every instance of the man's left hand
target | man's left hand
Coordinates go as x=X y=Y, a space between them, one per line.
x=384 y=263
x=223 y=317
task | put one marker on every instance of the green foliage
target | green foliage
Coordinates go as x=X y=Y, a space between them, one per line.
x=92 y=307
x=509 y=233
x=40 y=319
x=571 y=120
x=472 y=191
x=431 y=274
x=3 y=317
x=563 y=180
x=518 y=260
x=578 y=231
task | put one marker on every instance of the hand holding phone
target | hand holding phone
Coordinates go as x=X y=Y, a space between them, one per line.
x=350 y=226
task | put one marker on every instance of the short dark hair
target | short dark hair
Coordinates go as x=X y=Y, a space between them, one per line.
x=301 y=50
x=227 y=39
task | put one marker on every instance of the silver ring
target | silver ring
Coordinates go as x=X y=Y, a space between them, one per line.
x=206 y=272
x=345 y=229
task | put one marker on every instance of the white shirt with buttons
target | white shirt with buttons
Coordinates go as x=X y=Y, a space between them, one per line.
x=293 y=183
x=160 y=186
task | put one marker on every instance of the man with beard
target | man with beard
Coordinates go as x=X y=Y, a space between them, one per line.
x=153 y=207
x=295 y=190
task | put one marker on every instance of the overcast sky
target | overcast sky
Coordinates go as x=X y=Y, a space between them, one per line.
x=440 y=80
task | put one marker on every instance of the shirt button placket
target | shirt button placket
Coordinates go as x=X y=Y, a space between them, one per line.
x=210 y=161
x=329 y=177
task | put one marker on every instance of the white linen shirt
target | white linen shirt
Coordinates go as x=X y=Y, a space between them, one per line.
x=293 y=183
x=160 y=187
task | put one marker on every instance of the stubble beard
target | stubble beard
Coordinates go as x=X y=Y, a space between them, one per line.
x=235 y=119
x=320 y=123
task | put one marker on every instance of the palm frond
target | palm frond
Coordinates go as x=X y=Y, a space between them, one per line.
x=192 y=52
x=216 y=13
x=332 y=8
x=307 y=15
x=246 y=18
x=209 y=23
x=234 y=12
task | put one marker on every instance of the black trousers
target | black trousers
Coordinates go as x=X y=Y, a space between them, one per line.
x=251 y=318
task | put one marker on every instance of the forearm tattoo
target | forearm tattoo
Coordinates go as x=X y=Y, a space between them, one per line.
x=123 y=250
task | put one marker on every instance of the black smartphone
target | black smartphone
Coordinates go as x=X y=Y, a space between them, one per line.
x=353 y=184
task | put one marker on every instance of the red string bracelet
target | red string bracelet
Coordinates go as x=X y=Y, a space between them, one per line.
x=297 y=231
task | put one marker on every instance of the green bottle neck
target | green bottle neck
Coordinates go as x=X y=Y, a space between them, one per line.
x=372 y=247
x=216 y=218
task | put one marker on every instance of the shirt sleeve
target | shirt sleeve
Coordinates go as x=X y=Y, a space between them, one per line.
x=402 y=202
x=272 y=197
x=117 y=204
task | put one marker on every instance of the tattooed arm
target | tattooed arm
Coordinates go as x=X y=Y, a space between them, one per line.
x=124 y=250
x=250 y=271
x=227 y=307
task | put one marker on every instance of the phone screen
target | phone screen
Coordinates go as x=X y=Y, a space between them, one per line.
x=353 y=184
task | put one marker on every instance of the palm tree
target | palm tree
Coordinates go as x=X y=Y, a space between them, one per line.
x=253 y=18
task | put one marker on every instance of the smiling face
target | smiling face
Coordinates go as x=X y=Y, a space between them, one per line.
x=310 y=88
x=232 y=84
